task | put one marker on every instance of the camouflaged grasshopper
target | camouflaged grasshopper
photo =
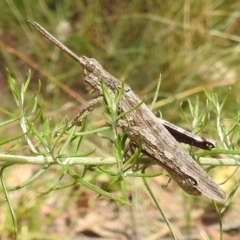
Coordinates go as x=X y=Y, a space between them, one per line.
x=157 y=142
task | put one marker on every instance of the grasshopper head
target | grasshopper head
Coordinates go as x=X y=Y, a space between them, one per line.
x=92 y=73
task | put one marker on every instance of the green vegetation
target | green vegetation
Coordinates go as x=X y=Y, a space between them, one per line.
x=194 y=46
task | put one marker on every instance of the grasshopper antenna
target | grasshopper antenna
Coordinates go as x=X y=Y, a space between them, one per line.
x=56 y=42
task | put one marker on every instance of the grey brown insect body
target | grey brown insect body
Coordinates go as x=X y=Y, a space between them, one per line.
x=157 y=143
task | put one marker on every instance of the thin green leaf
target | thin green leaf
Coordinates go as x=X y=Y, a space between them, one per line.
x=13 y=87
x=93 y=187
x=9 y=121
x=156 y=92
x=33 y=178
x=14 y=219
x=159 y=207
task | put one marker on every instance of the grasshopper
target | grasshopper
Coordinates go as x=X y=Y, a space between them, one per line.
x=156 y=139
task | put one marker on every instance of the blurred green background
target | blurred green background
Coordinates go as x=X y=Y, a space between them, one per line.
x=192 y=44
x=189 y=43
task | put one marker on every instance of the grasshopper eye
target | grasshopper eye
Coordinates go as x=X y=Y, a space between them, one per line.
x=90 y=66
